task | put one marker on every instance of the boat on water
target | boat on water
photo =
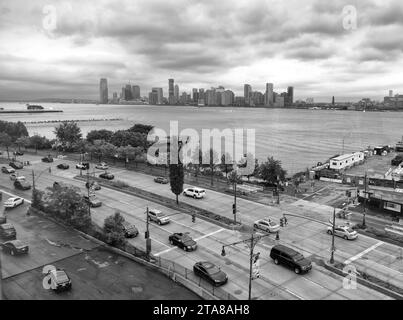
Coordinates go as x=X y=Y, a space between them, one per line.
x=34 y=107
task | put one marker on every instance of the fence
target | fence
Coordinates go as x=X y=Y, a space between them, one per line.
x=172 y=268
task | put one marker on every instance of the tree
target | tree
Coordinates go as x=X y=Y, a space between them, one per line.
x=101 y=148
x=212 y=163
x=14 y=130
x=176 y=177
x=141 y=128
x=68 y=133
x=6 y=141
x=39 y=143
x=114 y=230
x=22 y=141
x=102 y=134
x=197 y=160
x=126 y=138
x=226 y=164
x=271 y=171
x=66 y=203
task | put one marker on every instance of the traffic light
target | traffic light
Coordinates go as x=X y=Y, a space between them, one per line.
x=234 y=208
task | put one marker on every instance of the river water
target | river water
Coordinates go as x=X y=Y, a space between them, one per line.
x=299 y=138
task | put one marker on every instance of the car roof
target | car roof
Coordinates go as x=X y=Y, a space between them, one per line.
x=285 y=249
x=7 y=226
x=207 y=264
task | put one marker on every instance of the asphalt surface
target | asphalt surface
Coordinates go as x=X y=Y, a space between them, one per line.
x=276 y=282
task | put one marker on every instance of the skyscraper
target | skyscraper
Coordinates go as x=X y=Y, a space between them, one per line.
x=176 y=93
x=290 y=93
x=171 y=91
x=247 y=89
x=103 y=91
x=269 y=95
x=136 y=92
x=195 y=95
x=159 y=94
x=128 y=92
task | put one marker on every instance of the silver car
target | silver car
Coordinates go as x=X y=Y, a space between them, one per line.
x=267 y=225
x=157 y=216
x=345 y=232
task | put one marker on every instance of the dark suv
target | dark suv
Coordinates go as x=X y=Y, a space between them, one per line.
x=7 y=231
x=16 y=165
x=397 y=160
x=291 y=258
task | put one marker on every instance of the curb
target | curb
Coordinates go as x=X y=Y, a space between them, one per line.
x=364 y=282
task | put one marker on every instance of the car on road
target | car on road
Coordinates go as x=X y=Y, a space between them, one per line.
x=397 y=160
x=107 y=176
x=183 y=241
x=102 y=166
x=345 y=232
x=267 y=225
x=210 y=272
x=47 y=159
x=63 y=166
x=81 y=166
x=22 y=185
x=161 y=180
x=14 y=177
x=13 y=202
x=130 y=230
x=59 y=280
x=16 y=165
x=7 y=170
x=18 y=153
x=7 y=231
x=93 y=185
x=196 y=193
x=93 y=200
x=158 y=217
x=290 y=258
x=15 y=247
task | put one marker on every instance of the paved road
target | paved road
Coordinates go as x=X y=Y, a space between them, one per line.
x=96 y=273
x=276 y=282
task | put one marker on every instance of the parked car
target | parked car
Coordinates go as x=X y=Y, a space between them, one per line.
x=93 y=185
x=290 y=258
x=107 y=176
x=93 y=200
x=345 y=232
x=48 y=159
x=194 y=192
x=14 y=177
x=210 y=272
x=397 y=160
x=102 y=166
x=13 y=202
x=83 y=165
x=7 y=231
x=158 y=217
x=7 y=170
x=59 y=280
x=22 y=185
x=15 y=247
x=267 y=225
x=130 y=230
x=63 y=166
x=16 y=165
x=161 y=180
x=18 y=153
x=183 y=241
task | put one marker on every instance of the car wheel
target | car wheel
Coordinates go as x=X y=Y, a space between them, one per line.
x=255 y=226
x=159 y=222
x=329 y=231
x=12 y=252
x=194 y=196
x=297 y=270
x=171 y=242
x=276 y=261
x=345 y=238
x=22 y=201
x=185 y=248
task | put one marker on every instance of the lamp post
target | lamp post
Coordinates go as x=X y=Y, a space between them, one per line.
x=365 y=201
x=333 y=248
x=147 y=235
x=253 y=241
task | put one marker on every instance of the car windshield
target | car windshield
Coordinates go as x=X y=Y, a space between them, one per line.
x=213 y=270
x=350 y=230
x=18 y=244
x=61 y=277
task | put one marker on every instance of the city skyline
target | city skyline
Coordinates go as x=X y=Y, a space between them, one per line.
x=228 y=44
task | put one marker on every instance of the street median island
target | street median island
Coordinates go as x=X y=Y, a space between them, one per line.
x=167 y=202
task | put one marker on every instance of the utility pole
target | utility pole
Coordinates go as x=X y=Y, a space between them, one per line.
x=333 y=226
x=33 y=180
x=147 y=235
x=88 y=191
x=250 y=267
x=365 y=201
x=234 y=206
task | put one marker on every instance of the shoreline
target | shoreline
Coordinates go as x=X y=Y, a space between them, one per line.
x=30 y=111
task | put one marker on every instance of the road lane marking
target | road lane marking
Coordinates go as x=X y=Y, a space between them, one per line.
x=173 y=248
x=13 y=195
x=348 y=261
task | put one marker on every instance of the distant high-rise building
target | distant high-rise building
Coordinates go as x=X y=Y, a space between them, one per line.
x=159 y=95
x=171 y=91
x=202 y=95
x=247 y=90
x=176 y=93
x=153 y=97
x=136 y=92
x=227 y=98
x=128 y=92
x=269 y=96
x=333 y=100
x=290 y=93
x=390 y=93
x=123 y=94
x=184 y=98
x=115 y=97
x=103 y=91
x=195 y=95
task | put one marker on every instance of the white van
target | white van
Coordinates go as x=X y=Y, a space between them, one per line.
x=194 y=192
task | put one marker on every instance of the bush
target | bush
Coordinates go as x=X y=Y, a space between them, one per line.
x=114 y=230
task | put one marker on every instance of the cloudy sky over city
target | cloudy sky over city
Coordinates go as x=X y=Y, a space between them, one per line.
x=312 y=45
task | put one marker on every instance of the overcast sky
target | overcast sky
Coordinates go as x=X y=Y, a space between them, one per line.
x=309 y=44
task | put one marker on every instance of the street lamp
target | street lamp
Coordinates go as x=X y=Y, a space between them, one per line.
x=253 y=242
x=333 y=249
x=147 y=235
